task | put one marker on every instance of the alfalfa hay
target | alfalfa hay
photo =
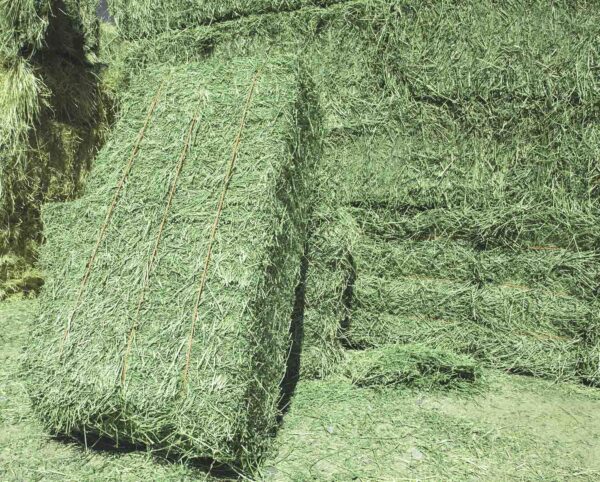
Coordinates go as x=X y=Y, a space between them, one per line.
x=178 y=335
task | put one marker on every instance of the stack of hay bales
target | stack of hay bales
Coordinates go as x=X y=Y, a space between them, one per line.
x=51 y=115
x=457 y=207
x=341 y=44
x=176 y=334
x=476 y=205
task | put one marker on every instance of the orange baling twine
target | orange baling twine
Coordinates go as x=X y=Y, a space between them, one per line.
x=110 y=212
x=151 y=262
x=215 y=226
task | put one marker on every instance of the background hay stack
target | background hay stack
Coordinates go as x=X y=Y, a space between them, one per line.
x=51 y=119
x=208 y=388
x=473 y=187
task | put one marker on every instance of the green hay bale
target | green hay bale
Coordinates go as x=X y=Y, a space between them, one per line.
x=52 y=118
x=543 y=355
x=503 y=307
x=457 y=50
x=442 y=168
x=140 y=18
x=524 y=331
x=413 y=366
x=340 y=40
x=227 y=405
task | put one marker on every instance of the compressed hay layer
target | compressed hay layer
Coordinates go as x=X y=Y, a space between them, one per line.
x=440 y=168
x=225 y=405
x=536 y=354
x=590 y=364
x=140 y=18
x=524 y=331
x=505 y=308
x=457 y=50
x=558 y=270
x=411 y=365
x=514 y=227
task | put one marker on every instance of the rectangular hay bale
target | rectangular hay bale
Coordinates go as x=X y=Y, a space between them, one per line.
x=524 y=353
x=129 y=360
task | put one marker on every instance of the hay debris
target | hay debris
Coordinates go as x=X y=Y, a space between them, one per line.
x=409 y=365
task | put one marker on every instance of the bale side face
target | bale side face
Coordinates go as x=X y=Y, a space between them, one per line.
x=328 y=295
x=223 y=407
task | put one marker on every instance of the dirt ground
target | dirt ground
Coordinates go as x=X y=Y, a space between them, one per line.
x=512 y=428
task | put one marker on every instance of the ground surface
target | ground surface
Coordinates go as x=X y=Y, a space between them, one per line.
x=514 y=429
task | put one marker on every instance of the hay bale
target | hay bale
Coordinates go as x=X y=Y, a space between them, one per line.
x=558 y=270
x=135 y=363
x=517 y=226
x=411 y=365
x=457 y=50
x=477 y=176
x=341 y=42
x=52 y=117
x=404 y=166
x=503 y=307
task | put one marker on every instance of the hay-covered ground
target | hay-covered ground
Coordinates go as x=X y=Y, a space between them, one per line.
x=518 y=428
